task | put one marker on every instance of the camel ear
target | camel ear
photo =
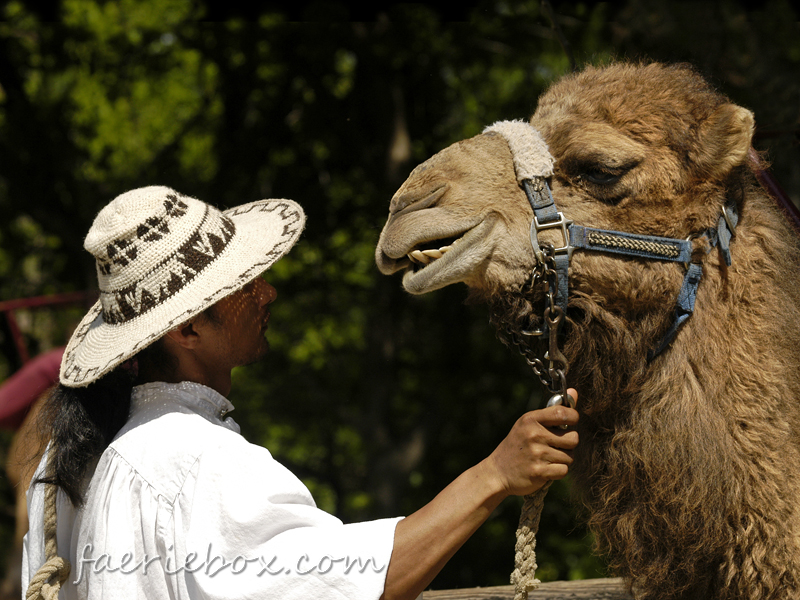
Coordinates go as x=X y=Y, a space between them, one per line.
x=723 y=140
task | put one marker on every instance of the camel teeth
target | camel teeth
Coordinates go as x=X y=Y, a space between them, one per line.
x=432 y=253
x=425 y=257
x=419 y=257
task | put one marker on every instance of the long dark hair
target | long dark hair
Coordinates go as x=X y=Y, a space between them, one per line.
x=80 y=423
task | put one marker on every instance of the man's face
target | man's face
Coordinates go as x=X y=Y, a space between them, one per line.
x=239 y=324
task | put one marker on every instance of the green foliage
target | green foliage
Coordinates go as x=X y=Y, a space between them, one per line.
x=374 y=398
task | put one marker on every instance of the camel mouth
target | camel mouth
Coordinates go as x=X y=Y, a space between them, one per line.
x=428 y=252
x=438 y=263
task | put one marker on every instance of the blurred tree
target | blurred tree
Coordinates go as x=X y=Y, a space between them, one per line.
x=376 y=399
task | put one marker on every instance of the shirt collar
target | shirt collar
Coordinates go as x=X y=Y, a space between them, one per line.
x=186 y=396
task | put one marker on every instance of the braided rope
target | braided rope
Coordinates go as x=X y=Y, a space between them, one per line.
x=612 y=241
x=39 y=587
x=524 y=576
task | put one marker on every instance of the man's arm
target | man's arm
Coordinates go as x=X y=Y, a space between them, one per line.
x=525 y=460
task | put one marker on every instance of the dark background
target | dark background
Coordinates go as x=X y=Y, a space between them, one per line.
x=374 y=398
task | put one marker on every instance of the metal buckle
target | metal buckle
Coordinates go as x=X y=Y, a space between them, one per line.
x=536 y=227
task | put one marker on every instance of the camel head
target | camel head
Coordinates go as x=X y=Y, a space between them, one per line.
x=690 y=478
x=646 y=149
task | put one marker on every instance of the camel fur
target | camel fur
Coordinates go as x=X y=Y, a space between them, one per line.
x=689 y=465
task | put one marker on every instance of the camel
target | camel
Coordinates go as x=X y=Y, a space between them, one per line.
x=689 y=461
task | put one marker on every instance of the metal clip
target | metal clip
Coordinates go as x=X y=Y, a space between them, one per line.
x=536 y=227
x=561 y=400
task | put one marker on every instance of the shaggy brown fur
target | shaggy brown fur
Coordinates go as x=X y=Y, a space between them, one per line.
x=689 y=466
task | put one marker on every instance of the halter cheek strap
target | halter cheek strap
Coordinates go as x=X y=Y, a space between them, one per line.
x=533 y=164
x=547 y=216
x=684 y=307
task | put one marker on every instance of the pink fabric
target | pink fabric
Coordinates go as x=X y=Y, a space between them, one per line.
x=24 y=387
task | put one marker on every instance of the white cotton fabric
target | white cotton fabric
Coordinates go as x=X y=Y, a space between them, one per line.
x=182 y=506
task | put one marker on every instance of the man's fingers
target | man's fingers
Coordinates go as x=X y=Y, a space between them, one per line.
x=564 y=440
x=574 y=393
x=552 y=464
x=556 y=456
x=555 y=471
x=557 y=415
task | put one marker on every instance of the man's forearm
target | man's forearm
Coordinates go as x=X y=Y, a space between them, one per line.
x=534 y=452
x=427 y=539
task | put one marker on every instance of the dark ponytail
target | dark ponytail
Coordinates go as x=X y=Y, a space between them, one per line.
x=80 y=424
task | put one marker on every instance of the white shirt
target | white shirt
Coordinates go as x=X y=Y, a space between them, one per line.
x=181 y=506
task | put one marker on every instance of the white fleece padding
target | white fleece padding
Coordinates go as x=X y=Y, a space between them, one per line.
x=532 y=158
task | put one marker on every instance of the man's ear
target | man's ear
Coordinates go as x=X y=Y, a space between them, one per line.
x=185 y=336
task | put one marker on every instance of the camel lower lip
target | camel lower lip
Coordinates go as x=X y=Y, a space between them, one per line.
x=453 y=265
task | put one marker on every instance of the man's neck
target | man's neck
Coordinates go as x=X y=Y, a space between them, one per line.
x=220 y=382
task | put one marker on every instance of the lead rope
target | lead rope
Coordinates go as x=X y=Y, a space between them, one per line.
x=40 y=587
x=554 y=378
x=523 y=578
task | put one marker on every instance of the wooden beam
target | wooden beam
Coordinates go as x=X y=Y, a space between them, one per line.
x=588 y=589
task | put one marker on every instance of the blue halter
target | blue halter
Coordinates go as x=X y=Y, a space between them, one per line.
x=547 y=216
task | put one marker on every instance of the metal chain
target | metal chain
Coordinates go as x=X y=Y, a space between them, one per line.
x=552 y=375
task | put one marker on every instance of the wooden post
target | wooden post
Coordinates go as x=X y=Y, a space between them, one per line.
x=588 y=589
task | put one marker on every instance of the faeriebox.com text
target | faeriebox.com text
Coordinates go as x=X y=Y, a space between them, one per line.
x=211 y=564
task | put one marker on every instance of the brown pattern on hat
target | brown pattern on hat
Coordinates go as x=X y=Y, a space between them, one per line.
x=119 y=253
x=204 y=245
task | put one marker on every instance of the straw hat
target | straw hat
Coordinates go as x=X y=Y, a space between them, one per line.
x=163 y=258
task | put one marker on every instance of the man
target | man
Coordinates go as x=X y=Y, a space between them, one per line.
x=158 y=494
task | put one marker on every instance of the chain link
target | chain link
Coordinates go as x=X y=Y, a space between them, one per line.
x=552 y=375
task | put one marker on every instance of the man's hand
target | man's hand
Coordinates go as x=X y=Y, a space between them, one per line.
x=536 y=450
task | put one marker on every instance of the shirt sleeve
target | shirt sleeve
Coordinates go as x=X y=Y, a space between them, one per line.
x=251 y=529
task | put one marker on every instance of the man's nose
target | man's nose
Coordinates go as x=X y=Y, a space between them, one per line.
x=265 y=293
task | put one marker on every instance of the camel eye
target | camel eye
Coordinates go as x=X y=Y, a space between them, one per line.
x=600 y=176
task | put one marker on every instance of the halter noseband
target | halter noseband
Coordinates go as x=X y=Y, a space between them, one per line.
x=547 y=216
x=533 y=164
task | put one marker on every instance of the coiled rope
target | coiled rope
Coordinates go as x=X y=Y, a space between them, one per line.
x=55 y=568
x=524 y=576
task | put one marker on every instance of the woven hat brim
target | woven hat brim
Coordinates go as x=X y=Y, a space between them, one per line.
x=265 y=231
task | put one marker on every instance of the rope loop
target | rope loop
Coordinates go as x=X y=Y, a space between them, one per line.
x=40 y=587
